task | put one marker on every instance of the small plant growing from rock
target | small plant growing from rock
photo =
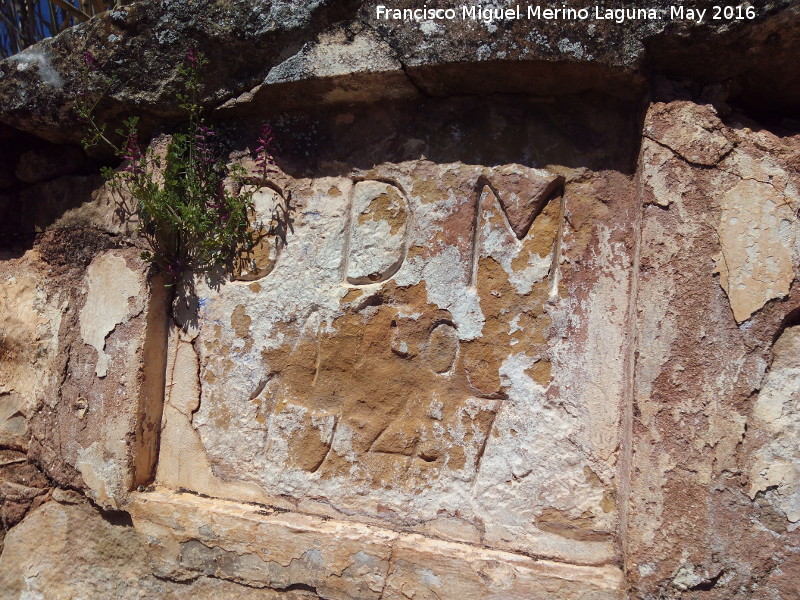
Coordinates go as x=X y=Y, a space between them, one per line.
x=192 y=208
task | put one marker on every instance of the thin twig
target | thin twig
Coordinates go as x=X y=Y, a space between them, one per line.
x=77 y=13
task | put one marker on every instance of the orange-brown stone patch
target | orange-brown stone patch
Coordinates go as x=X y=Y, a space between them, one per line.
x=386 y=207
x=352 y=296
x=240 y=322
x=393 y=404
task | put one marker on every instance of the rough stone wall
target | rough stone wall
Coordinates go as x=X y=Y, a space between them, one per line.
x=531 y=330
x=715 y=310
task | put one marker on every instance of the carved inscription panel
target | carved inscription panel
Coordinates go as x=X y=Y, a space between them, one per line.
x=393 y=362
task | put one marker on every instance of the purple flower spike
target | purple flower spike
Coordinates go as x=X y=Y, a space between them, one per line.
x=191 y=57
x=133 y=154
x=90 y=61
x=263 y=152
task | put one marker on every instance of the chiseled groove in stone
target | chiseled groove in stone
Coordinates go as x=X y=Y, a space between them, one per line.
x=152 y=391
x=241 y=538
x=366 y=246
x=481 y=191
x=629 y=388
x=555 y=266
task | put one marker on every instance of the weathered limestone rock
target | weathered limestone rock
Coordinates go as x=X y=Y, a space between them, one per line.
x=67 y=550
x=484 y=352
x=22 y=486
x=775 y=472
x=692 y=132
x=759 y=200
x=189 y=536
x=278 y=55
x=395 y=364
x=28 y=348
x=716 y=270
x=106 y=404
x=758 y=232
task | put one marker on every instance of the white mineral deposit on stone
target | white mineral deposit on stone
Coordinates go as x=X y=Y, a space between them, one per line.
x=775 y=470
x=110 y=285
x=757 y=252
x=39 y=57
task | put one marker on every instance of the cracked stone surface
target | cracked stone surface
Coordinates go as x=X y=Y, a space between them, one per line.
x=261 y=50
x=404 y=377
x=529 y=330
x=343 y=560
x=717 y=267
x=87 y=416
x=89 y=555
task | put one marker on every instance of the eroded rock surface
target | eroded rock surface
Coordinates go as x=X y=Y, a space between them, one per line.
x=525 y=323
x=111 y=374
x=718 y=262
x=66 y=549
x=774 y=472
x=281 y=55
x=343 y=560
x=417 y=394
x=28 y=347
x=22 y=487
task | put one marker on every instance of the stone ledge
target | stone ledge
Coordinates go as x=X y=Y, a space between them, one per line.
x=189 y=536
x=339 y=51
